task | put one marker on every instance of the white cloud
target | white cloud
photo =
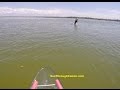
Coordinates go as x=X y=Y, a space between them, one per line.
x=97 y=13
x=4 y=11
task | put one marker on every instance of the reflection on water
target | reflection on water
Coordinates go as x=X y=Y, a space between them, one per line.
x=75 y=27
x=91 y=48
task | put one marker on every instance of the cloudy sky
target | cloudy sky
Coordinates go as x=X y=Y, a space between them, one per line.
x=90 y=9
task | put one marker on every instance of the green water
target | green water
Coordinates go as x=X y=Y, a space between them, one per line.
x=92 y=48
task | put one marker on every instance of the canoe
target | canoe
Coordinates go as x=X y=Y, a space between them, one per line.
x=43 y=80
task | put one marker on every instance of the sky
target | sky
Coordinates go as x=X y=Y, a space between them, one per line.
x=106 y=10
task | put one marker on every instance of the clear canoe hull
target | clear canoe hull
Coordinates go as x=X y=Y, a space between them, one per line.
x=43 y=80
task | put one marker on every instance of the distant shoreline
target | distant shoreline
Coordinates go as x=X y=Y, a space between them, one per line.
x=67 y=17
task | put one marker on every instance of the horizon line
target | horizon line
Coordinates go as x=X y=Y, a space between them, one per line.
x=68 y=17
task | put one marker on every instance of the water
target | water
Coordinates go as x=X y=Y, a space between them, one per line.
x=92 y=48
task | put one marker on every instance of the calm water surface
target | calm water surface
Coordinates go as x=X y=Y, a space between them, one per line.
x=91 y=48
